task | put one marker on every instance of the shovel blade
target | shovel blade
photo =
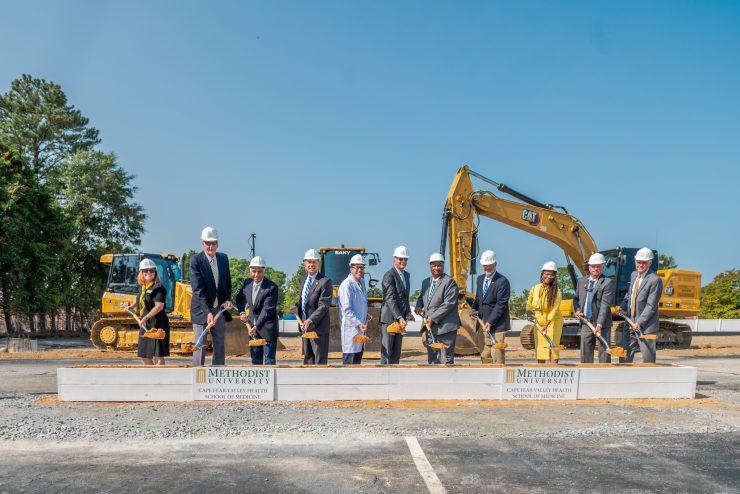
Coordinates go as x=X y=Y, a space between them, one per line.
x=311 y=335
x=500 y=346
x=361 y=339
x=257 y=342
x=437 y=346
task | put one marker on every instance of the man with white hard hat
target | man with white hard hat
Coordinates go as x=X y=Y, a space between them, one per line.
x=395 y=308
x=593 y=299
x=352 y=295
x=312 y=306
x=211 y=284
x=641 y=306
x=492 y=304
x=259 y=296
x=438 y=305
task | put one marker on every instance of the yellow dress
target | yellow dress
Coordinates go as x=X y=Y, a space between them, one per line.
x=537 y=301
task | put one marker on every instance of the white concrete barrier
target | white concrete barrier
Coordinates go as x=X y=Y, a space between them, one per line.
x=590 y=381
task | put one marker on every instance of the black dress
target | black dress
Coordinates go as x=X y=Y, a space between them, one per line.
x=149 y=347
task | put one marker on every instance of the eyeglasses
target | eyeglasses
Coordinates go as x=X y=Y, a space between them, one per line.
x=212 y=242
x=149 y=270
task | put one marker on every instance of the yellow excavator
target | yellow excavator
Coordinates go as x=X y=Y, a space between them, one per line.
x=464 y=207
x=116 y=330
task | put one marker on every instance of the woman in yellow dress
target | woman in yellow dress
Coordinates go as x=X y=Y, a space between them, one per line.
x=544 y=300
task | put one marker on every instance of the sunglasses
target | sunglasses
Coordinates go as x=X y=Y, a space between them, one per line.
x=149 y=270
x=214 y=242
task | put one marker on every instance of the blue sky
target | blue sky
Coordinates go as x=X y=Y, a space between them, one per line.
x=325 y=123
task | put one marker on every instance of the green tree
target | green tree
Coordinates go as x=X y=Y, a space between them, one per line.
x=565 y=283
x=518 y=304
x=96 y=195
x=375 y=293
x=414 y=297
x=293 y=289
x=666 y=262
x=37 y=120
x=720 y=299
x=33 y=235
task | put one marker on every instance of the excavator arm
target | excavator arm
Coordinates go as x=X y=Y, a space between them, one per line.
x=465 y=205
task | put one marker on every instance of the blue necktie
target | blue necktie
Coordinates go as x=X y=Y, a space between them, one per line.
x=309 y=282
x=589 y=298
x=485 y=286
x=431 y=289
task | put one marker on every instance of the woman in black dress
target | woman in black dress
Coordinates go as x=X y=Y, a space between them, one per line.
x=150 y=305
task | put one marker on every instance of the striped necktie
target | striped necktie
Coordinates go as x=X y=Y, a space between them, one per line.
x=306 y=289
x=633 y=302
x=432 y=288
x=215 y=278
x=589 y=298
x=485 y=286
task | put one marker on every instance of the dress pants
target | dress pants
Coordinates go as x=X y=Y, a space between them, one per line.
x=218 y=338
x=390 y=346
x=264 y=354
x=445 y=355
x=589 y=340
x=316 y=350
x=631 y=342
x=499 y=355
x=352 y=358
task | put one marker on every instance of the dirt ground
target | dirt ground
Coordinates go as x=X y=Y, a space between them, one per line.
x=702 y=346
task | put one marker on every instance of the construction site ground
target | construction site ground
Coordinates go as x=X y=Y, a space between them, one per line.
x=466 y=446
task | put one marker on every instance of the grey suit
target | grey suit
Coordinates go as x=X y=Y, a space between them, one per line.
x=602 y=295
x=646 y=315
x=442 y=309
x=395 y=306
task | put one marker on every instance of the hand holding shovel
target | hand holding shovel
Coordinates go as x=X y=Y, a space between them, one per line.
x=616 y=351
x=434 y=344
x=153 y=333
x=190 y=347
x=635 y=329
x=253 y=340
x=543 y=332
x=487 y=327
x=309 y=335
x=361 y=336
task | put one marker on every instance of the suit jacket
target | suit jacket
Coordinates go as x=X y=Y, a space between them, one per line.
x=318 y=303
x=204 y=286
x=648 y=296
x=494 y=307
x=442 y=307
x=262 y=311
x=602 y=298
x=395 y=297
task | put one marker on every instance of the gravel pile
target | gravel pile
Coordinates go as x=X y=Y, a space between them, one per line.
x=23 y=417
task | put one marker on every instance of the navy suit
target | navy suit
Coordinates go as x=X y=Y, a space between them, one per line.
x=262 y=316
x=205 y=294
x=494 y=308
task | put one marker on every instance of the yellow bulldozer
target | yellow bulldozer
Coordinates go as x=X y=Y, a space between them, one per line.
x=463 y=208
x=116 y=330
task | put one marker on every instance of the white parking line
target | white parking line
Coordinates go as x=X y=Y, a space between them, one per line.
x=424 y=467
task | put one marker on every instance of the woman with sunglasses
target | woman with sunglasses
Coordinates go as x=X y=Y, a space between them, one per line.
x=544 y=300
x=150 y=304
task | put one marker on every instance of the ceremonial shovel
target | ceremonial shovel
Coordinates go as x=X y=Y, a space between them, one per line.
x=189 y=347
x=639 y=332
x=362 y=338
x=154 y=333
x=616 y=351
x=494 y=343
x=309 y=335
x=253 y=340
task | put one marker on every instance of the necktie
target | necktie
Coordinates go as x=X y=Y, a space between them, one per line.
x=485 y=286
x=362 y=290
x=307 y=287
x=255 y=291
x=403 y=282
x=589 y=298
x=633 y=302
x=432 y=288
x=215 y=278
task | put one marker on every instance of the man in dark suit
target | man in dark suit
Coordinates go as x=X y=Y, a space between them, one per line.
x=641 y=305
x=492 y=303
x=438 y=304
x=260 y=296
x=210 y=281
x=313 y=308
x=395 y=308
x=593 y=299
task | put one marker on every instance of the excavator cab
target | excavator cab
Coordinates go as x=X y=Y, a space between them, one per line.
x=335 y=265
x=122 y=286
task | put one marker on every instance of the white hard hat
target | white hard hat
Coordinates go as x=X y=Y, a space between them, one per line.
x=147 y=264
x=257 y=262
x=356 y=259
x=597 y=258
x=487 y=258
x=209 y=234
x=644 y=254
x=311 y=255
x=549 y=266
x=437 y=257
x=401 y=252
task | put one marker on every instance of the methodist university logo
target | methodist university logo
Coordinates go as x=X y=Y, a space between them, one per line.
x=200 y=376
x=510 y=375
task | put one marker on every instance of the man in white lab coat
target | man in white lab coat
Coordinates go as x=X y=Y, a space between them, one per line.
x=353 y=311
